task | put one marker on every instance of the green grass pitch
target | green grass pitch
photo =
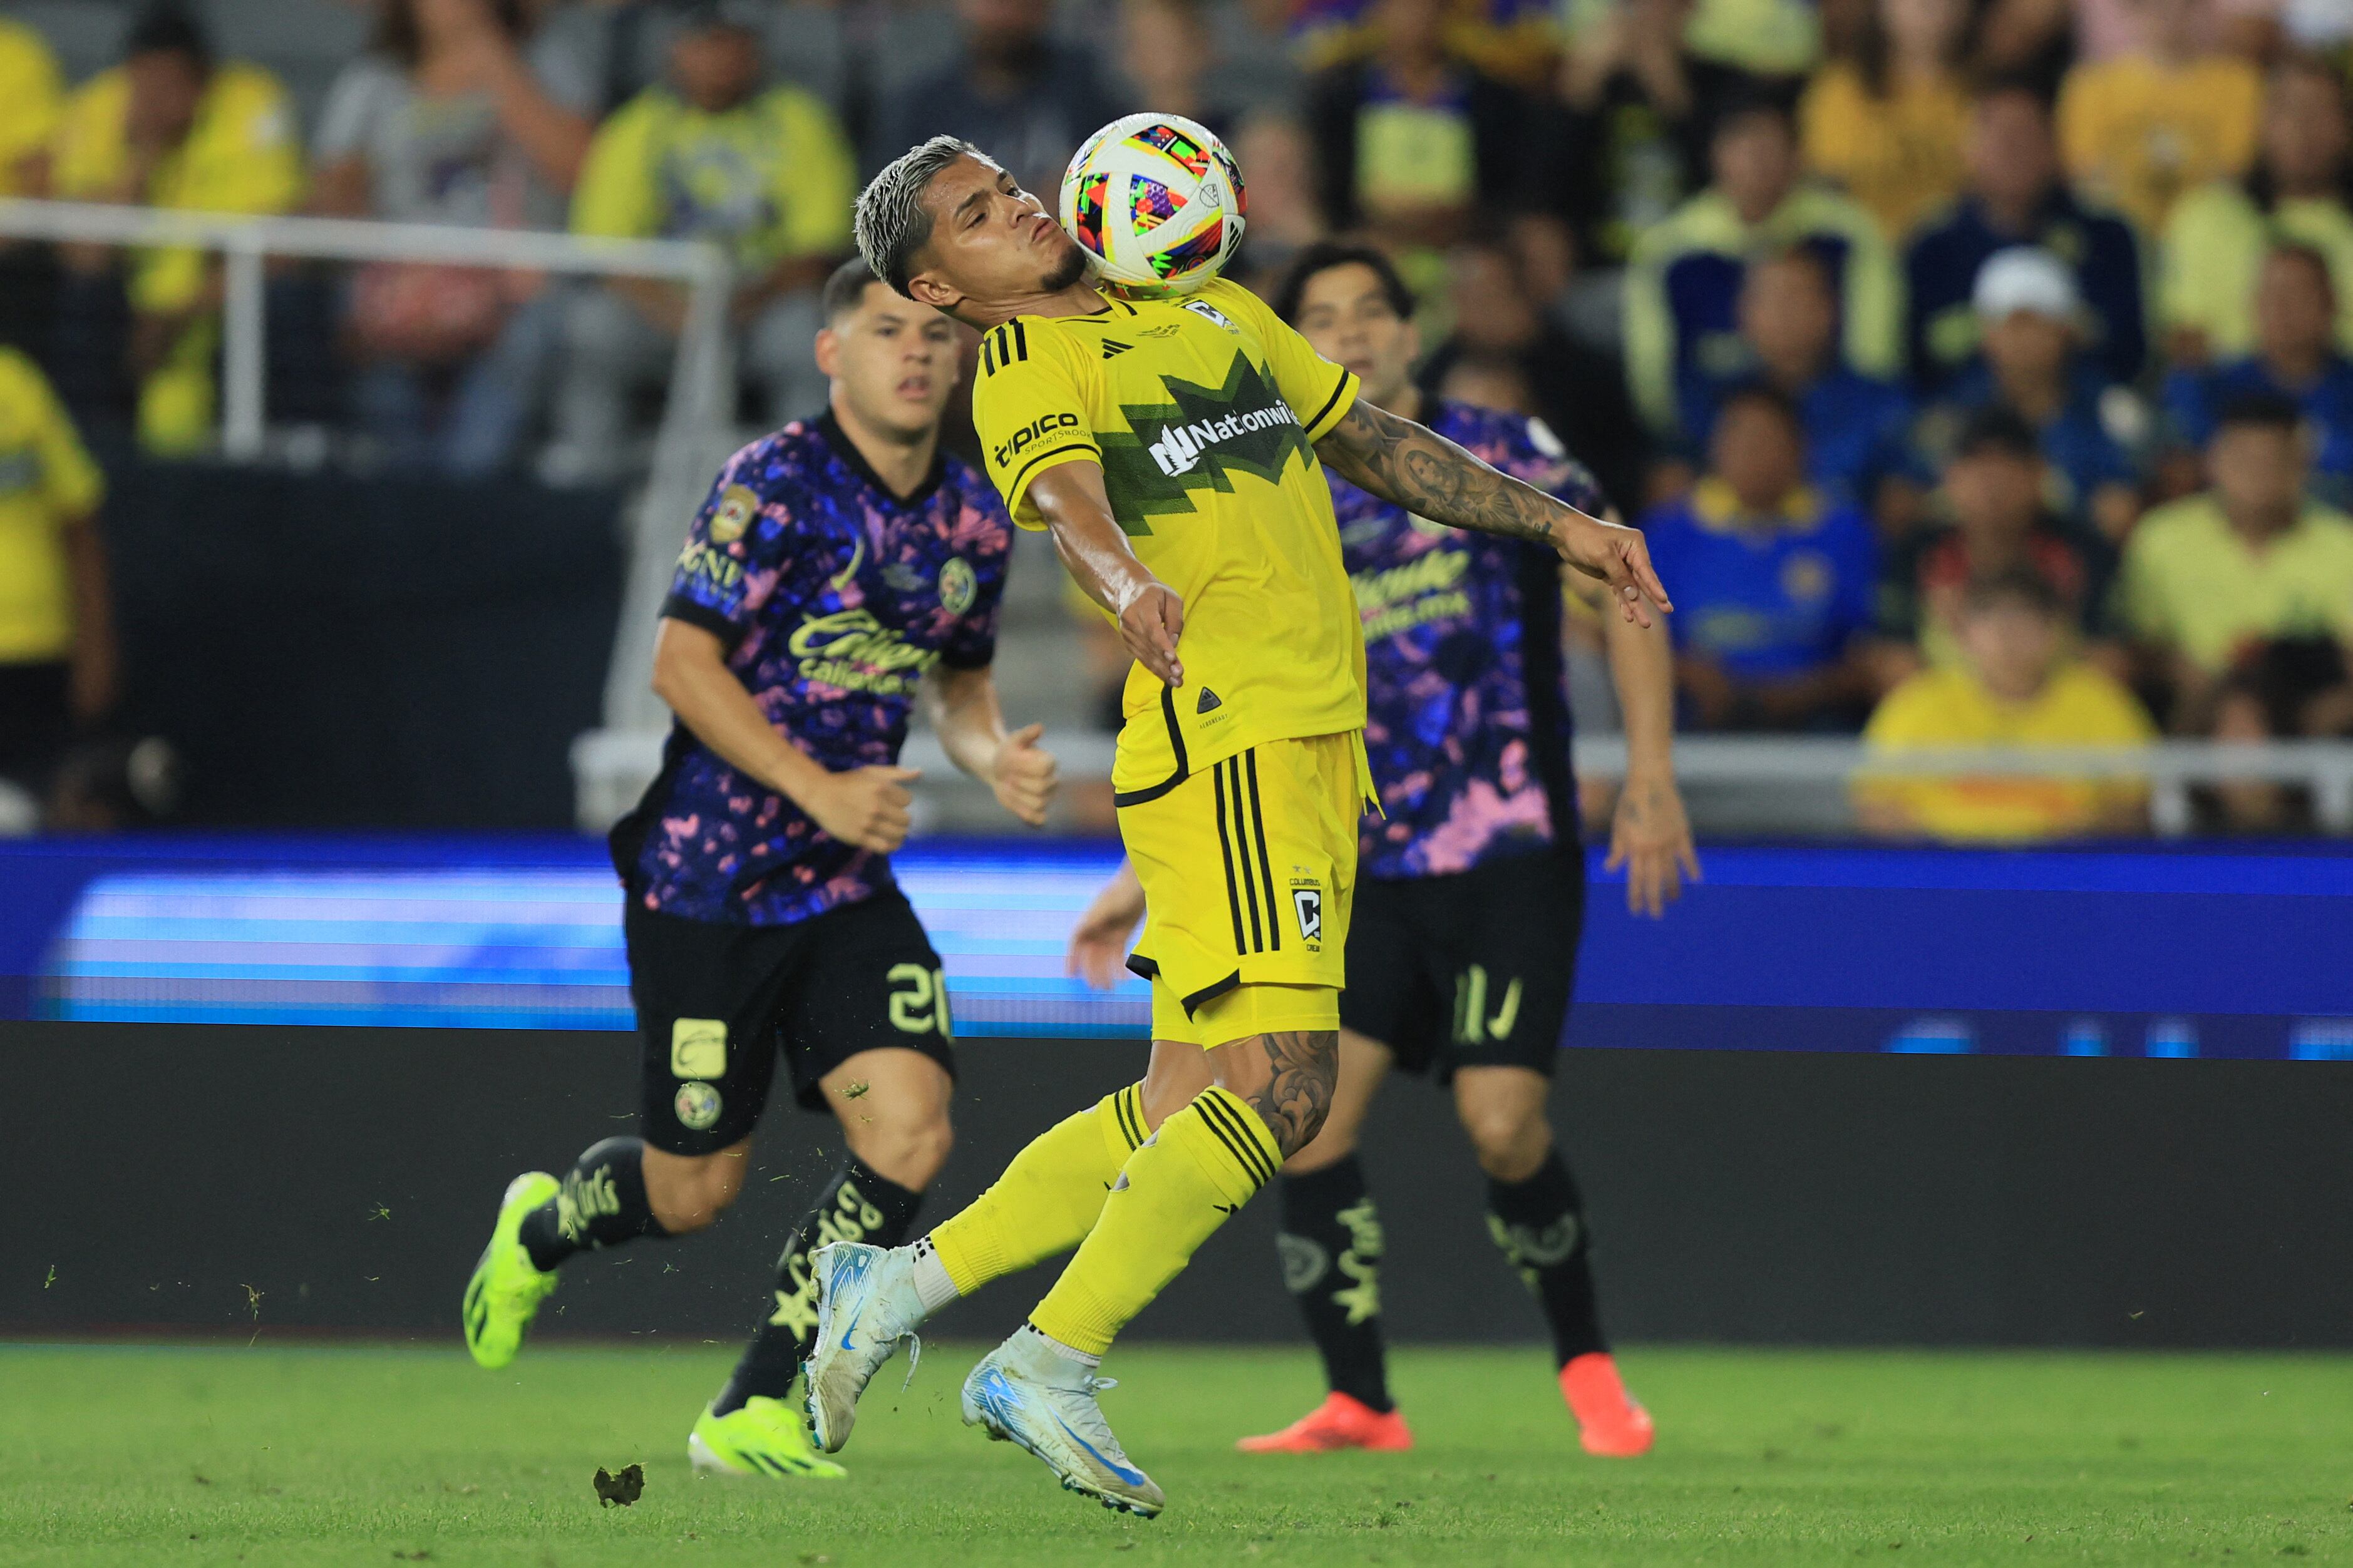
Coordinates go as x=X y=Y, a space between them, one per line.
x=305 y=1456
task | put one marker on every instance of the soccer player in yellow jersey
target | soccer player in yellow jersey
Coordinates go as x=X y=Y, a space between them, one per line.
x=1171 y=448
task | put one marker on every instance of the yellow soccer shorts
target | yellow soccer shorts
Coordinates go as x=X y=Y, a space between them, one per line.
x=1249 y=869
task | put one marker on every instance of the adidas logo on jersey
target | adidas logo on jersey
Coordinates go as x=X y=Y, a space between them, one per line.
x=1180 y=446
x=1113 y=347
x=1209 y=701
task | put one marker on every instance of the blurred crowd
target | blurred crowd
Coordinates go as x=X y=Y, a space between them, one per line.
x=1977 y=368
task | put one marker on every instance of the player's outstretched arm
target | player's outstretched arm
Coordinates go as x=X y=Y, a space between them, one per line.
x=865 y=806
x=1650 y=833
x=1077 y=509
x=1428 y=475
x=971 y=726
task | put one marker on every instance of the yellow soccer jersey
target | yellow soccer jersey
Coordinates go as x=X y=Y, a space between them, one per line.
x=30 y=95
x=1204 y=413
x=47 y=484
x=243 y=154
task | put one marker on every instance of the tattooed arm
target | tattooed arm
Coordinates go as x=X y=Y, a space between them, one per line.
x=1428 y=475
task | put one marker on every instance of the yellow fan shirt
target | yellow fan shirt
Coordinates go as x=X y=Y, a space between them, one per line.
x=47 y=484
x=243 y=154
x=1899 y=155
x=31 y=93
x=772 y=178
x=2078 y=706
x=2138 y=134
x=2192 y=581
x=1204 y=413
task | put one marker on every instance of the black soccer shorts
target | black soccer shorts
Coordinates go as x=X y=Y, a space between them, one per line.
x=1474 y=969
x=718 y=1003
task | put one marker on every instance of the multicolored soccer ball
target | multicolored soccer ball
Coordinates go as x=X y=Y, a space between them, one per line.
x=1157 y=203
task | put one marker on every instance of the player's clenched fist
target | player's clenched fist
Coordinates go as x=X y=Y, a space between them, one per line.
x=1025 y=776
x=1618 y=556
x=1150 y=624
x=867 y=806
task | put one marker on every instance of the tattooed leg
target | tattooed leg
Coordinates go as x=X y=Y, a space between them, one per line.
x=1286 y=1077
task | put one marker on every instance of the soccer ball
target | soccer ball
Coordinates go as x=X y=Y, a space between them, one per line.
x=1157 y=203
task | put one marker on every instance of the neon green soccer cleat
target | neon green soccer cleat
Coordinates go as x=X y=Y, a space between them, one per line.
x=765 y=1438
x=505 y=1292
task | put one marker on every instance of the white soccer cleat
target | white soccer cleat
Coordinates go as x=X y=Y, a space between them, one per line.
x=1027 y=1392
x=866 y=1304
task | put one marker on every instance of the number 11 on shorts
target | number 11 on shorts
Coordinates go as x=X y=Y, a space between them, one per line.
x=919 y=1000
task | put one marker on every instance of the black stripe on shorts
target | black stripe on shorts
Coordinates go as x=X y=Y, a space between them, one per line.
x=1257 y=832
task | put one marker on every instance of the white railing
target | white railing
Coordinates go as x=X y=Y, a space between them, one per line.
x=611 y=769
x=2170 y=767
x=695 y=416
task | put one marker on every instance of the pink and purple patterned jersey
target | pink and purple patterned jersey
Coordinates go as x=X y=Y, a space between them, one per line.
x=1467 y=721
x=833 y=597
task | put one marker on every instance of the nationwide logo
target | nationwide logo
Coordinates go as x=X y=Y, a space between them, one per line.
x=1114 y=348
x=1181 y=447
x=1197 y=441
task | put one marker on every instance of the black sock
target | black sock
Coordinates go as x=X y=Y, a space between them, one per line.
x=1540 y=1225
x=1330 y=1246
x=856 y=1205
x=603 y=1204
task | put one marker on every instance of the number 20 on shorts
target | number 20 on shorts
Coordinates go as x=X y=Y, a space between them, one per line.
x=919 y=1000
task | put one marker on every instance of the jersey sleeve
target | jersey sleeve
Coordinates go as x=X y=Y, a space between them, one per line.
x=1318 y=390
x=615 y=197
x=1904 y=717
x=88 y=154
x=817 y=187
x=2138 y=605
x=70 y=484
x=1858 y=578
x=971 y=642
x=735 y=549
x=34 y=90
x=1029 y=409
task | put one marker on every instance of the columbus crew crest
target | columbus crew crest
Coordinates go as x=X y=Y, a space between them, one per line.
x=1307 y=903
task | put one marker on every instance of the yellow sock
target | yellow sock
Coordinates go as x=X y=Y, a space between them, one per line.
x=1049 y=1197
x=1203 y=1165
